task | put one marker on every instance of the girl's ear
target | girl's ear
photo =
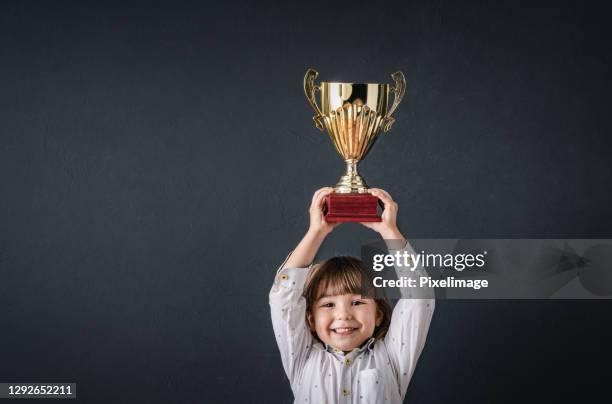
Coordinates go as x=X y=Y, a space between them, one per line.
x=379 y=317
x=311 y=322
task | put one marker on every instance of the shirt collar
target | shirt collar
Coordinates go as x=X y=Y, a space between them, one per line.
x=369 y=345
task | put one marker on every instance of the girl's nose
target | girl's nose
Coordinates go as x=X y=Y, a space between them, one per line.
x=344 y=314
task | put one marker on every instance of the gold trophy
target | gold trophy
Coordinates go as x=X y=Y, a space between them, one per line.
x=353 y=115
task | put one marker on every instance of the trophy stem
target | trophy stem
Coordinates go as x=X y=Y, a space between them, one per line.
x=351 y=182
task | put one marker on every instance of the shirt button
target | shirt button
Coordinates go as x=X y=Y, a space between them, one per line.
x=347 y=362
x=345 y=392
x=284 y=277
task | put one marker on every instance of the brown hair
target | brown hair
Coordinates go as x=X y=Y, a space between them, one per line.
x=345 y=275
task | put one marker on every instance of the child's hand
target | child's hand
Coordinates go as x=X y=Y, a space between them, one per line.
x=306 y=250
x=317 y=220
x=387 y=228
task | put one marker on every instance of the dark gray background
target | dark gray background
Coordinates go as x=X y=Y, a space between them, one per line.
x=157 y=161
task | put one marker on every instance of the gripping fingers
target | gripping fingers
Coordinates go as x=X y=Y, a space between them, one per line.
x=384 y=196
x=322 y=196
x=317 y=198
x=317 y=192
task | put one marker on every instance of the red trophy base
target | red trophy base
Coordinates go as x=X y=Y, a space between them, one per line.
x=351 y=208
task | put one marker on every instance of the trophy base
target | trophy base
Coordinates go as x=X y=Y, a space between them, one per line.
x=351 y=208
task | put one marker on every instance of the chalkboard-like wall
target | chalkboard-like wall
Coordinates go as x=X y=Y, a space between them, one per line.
x=157 y=161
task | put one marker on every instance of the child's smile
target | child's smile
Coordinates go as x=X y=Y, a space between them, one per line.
x=344 y=330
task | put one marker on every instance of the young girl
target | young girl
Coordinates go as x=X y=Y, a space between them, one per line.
x=337 y=347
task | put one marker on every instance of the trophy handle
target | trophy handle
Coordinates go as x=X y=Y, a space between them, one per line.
x=309 y=89
x=398 y=90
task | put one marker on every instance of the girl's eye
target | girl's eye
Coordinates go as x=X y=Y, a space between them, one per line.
x=327 y=305
x=357 y=302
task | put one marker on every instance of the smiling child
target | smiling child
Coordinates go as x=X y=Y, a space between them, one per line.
x=336 y=345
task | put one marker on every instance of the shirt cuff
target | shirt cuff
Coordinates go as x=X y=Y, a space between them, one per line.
x=291 y=278
x=278 y=270
x=284 y=262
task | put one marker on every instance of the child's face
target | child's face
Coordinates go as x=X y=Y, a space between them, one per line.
x=345 y=321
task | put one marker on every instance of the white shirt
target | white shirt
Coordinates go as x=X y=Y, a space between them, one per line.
x=378 y=372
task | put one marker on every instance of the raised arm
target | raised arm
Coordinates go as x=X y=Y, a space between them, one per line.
x=287 y=305
x=412 y=314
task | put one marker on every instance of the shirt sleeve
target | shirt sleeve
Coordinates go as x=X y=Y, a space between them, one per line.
x=409 y=325
x=288 y=310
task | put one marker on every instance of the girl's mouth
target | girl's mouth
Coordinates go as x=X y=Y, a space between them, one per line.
x=344 y=331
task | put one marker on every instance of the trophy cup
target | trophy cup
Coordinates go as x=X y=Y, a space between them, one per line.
x=353 y=115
